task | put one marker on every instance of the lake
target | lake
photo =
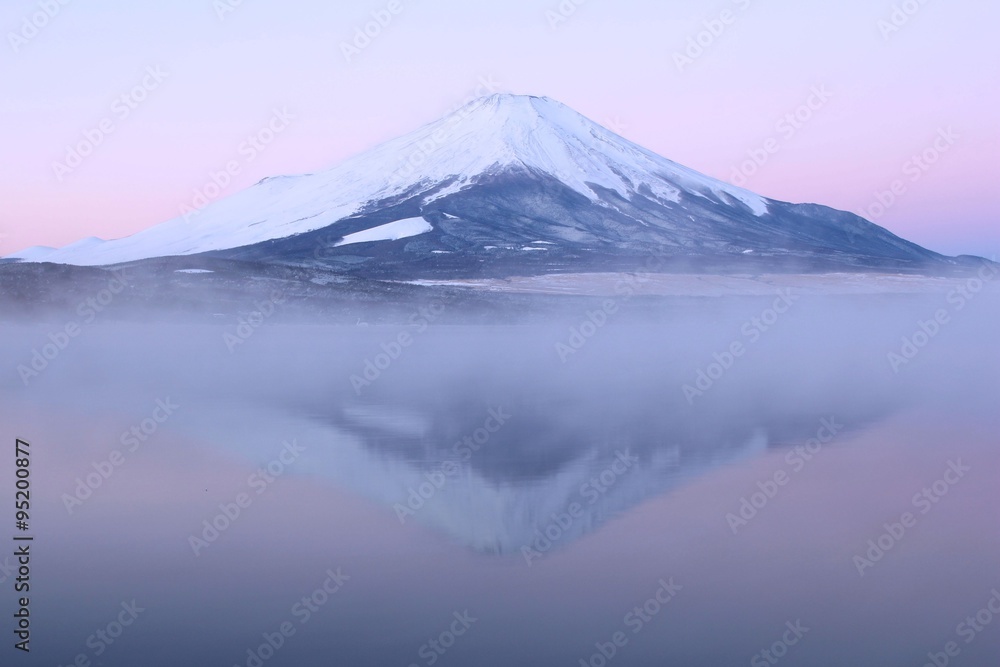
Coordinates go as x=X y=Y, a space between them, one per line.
x=720 y=482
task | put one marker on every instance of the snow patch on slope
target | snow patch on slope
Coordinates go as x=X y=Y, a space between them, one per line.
x=392 y=231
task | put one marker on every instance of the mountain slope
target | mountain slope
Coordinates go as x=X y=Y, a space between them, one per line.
x=508 y=184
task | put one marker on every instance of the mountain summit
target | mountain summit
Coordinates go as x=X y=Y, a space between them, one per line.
x=516 y=132
x=509 y=184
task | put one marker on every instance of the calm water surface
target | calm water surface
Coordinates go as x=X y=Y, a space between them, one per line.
x=481 y=502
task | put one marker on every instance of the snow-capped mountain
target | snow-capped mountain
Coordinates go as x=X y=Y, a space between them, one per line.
x=508 y=183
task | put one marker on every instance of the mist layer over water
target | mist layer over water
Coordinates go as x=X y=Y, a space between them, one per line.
x=738 y=462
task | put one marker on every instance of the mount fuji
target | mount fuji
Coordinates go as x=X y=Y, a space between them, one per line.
x=510 y=185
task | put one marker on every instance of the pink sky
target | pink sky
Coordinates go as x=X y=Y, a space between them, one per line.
x=615 y=62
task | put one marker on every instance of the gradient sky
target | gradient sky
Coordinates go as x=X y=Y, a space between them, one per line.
x=612 y=61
